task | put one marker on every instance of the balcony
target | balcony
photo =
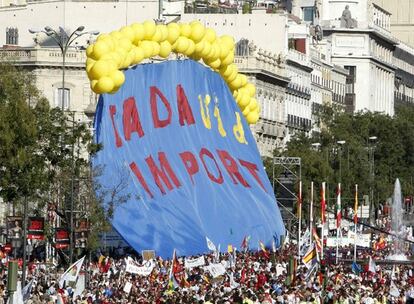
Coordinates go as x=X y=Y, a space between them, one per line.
x=43 y=57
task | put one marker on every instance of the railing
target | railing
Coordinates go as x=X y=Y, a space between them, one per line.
x=298 y=56
x=260 y=61
x=46 y=56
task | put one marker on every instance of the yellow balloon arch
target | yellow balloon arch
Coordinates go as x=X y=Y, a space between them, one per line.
x=132 y=44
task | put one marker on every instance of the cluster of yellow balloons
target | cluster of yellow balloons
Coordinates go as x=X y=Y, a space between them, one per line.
x=132 y=44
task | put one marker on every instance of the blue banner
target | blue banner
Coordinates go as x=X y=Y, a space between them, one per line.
x=180 y=164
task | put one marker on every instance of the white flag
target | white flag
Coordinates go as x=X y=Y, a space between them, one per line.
x=17 y=297
x=371 y=265
x=211 y=245
x=394 y=290
x=71 y=274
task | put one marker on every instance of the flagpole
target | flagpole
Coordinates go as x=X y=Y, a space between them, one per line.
x=311 y=214
x=338 y=221
x=355 y=220
x=323 y=218
x=299 y=215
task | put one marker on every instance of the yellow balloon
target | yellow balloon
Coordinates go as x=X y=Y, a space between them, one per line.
x=244 y=101
x=129 y=59
x=155 y=48
x=246 y=111
x=236 y=83
x=139 y=55
x=191 y=48
x=250 y=88
x=206 y=50
x=125 y=44
x=165 y=49
x=228 y=41
x=233 y=75
x=102 y=37
x=89 y=50
x=104 y=85
x=99 y=69
x=182 y=44
x=139 y=32
x=90 y=61
x=197 y=31
x=253 y=104
x=199 y=47
x=210 y=35
x=118 y=78
x=214 y=64
x=117 y=58
x=149 y=27
x=157 y=35
x=226 y=71
x=243 y=79
x=93 y=84
x=185 y=30
x=128 y=32
x=164 y=31
x=252 y=118
x=173 y=32
x=116 y=35
x=99 y=49
x=147 y=47
x=114 y=90
x=229 y=59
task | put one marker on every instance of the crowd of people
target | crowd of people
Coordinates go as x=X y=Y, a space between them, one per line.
x=249 y=277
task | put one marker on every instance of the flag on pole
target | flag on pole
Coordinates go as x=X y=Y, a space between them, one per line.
x=338 y=207
x=372 y=267
x=172 y=283
x=317 y=240
x=71 y=274
x=310 y=257
x=323 y=204
x=264 y=250
x=245 y=243
x=356 y=205
x=210 y=245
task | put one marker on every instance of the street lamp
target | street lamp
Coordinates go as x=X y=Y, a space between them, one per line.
x=64 y=41
x=371 y=148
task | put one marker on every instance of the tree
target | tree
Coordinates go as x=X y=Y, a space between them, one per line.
x=44 y=153
x=392 y=151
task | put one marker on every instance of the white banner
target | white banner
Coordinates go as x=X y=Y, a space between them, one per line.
x=144 y=270
x=71 y=274
x=127 y=287
x=331 y=241
x=216 y=270
x=362 y=240
x=191 y=263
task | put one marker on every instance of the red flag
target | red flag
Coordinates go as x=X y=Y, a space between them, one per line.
x=323 y=204
x=338 y=207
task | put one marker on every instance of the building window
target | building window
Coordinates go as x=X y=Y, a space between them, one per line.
x=60 y=95
x=12 y=36
x=308 y=13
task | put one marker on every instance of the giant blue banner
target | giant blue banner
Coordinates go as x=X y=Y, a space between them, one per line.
x=179 y=163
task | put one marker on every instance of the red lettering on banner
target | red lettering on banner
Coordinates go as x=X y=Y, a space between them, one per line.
x=205 y=152
x=112 y=112
x=130 y=119
x=253 y=171
x=190 y=163
x=161 y=173
x=140 y=178
x=185 y=113
x=231 y=166
x=159 y=123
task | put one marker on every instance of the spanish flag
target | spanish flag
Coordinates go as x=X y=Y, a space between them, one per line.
x=264 y=250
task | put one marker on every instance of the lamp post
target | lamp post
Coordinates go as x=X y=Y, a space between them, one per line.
x=371 y=148
x=64 y=41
